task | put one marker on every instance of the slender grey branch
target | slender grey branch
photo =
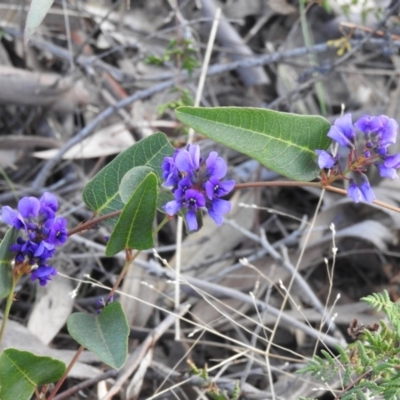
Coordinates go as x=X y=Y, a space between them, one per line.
x=89 y=129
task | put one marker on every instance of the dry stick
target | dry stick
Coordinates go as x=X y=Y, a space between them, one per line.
x=179 y=230
x=213 y=70
x=61 y=381
x=301 y=282
x=387 y=15
x=222 y=291
x=85 y=132
x=85 y=384
x=229 y=37
x=136 y=357
x=285 y=299
x=352 y=384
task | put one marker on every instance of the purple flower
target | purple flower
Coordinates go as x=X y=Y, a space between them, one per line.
x=170 y=172
x=42 y=231
x=366 y=190
x=368 y=124
x=44 y=251
x=188 y=160
x=361 y=193
x=219 y=207
x=196 y=187
x=388 y=133
x=173 y=207
x=387 y=172
x=216 y=166
x=11 y=217
x=215 y=188
x=342 y=131
x=392 y=161
x=29 y=207
x=58 y=232
x=354 y=192
x=43 y=273
x=48 y=205
x=194 y=201
x=325 y=160
x=183 y=185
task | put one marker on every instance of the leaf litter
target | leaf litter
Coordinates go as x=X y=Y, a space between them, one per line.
x=58 y=84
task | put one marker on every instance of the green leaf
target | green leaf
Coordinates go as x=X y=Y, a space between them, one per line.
x=131 y=180
x=101 y=194
x=283 y=142
x=37 y=11
x=21 y=372
x=6 y=257
x=134 y=229
x=106 y=334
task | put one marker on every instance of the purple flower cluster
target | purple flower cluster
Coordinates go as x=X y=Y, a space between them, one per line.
x=378 y=133
x=43 y=231
x=196 y=185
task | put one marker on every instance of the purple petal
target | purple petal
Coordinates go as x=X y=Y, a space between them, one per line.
x=366 y=190
x=325 y=160
x=209 y=186
x=220 y=206
x=43 y=273
x=195 y=199
x=338 y=136
x=58 y=232
x=45 y=250
x=342 y=131
x=354 y=192
x=183 y=161
x=183 y=185
x=392 y=161
x=369 y=124
x=172 y=207
x=191 y=220
x=216 y=166
x=218 y=219
x=386 y=172
x=29 y=207
x=48 y=200
x=389 y=132
x=194 y=151
x=8 y=215
x=215 y=188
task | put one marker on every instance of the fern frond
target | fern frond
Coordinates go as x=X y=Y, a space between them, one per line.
x=378 y=300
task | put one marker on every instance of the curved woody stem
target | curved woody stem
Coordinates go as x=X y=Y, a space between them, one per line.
x=10 y=299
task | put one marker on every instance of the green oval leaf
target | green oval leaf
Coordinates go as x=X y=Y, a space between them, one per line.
x=106 y=334
x=134 y=229
x=21 y=372
x=283 y=142
x=131 y=180
x=6 y=257
x=101 y=194
x=37 y=11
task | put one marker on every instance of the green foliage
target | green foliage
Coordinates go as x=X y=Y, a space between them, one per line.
x=371 y=365
x=6 y=257
x=282 y=142
x=212 y=390
x=106 y=334
x=180 y=52
x=184 y=99
x=381 y=301
x=134 y=229
x=22 y=372
x=183 y=55
x=102 y=195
